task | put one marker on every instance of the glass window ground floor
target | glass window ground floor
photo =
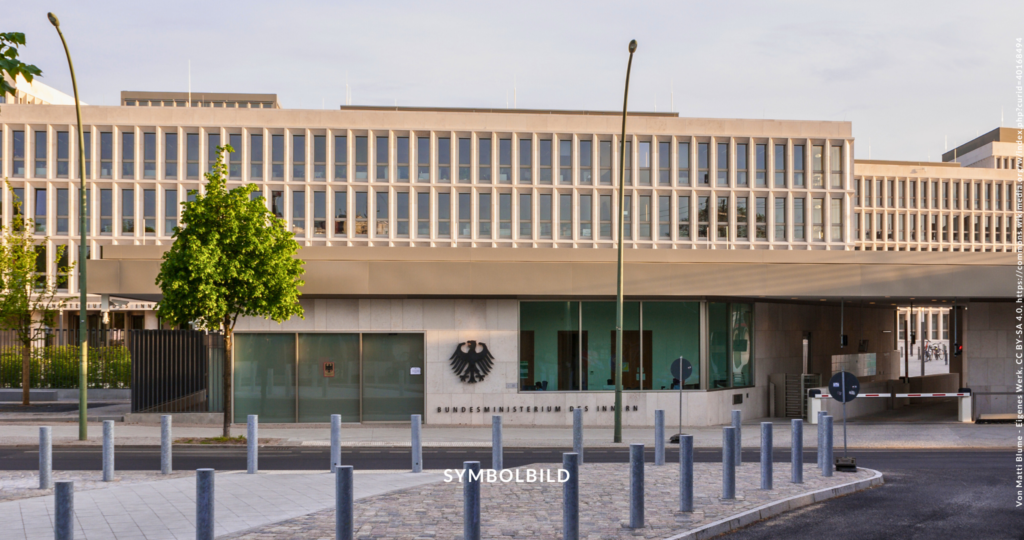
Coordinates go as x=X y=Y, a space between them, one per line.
x=307 y=377
x=571 y=345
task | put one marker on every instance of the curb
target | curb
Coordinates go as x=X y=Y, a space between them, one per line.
x=766 y=511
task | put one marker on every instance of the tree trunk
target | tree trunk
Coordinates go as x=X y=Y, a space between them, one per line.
x=26 y=366
x=228 y=401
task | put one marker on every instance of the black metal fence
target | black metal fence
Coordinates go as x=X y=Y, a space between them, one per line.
x=176 y=370
x=53 y=359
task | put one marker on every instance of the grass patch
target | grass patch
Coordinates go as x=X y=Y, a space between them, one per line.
x=239 y=440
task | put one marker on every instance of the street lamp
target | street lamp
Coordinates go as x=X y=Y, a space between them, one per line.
x=83 y=337
x=618 y=289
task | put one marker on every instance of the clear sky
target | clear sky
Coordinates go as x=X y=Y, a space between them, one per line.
x=908 y=75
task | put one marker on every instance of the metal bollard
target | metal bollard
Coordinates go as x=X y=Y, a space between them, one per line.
x=335 y=441
x=64 y=508
x=797 y=451
x=471 y=501
x=45 y=458
x=659 y=437
x=577 y=432
x=821 y=439
x=728 y=463
x=497 y=453
x=344 y=525
x=737 y=417
x=766 y=455
x=571 y=497
x=108 y=450
x=636 y=486
x=686 y=473
x=827 y=458
x=165 y=444
x=204 y=504
x=252 y=463
x=417 y=444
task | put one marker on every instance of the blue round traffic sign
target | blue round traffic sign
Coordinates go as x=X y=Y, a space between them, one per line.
x=844 y=387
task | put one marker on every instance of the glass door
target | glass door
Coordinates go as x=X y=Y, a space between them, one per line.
x=328 y=377
x=265 y=377
x=392 y=377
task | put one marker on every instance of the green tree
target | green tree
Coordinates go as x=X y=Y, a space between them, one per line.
x=28 y=300
x=231 y=258
x=10 y=65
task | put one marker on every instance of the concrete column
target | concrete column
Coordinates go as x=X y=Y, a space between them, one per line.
x=728 y=463
x=108 y=450
x=471 y=501
x=766 y=455
x=686 y=473
x=165 y=444
x=204 y=504
x=497 y=453
x=737 y=417
x=827 y=457
x=45 y=457
x=636 y=486
x=571 y=497
x=252 y=434
x=344 y=525
x=417 y=444
x=335 y=441
x=577 y=433
x=797 y=451
x=64 y=511
x=659 y=437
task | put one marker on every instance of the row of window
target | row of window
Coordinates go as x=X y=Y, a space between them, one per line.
x=934 y=194
x=933 y=228
x=441 y=159
x=926 y=326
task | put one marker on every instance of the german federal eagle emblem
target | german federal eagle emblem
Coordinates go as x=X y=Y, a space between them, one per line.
x=471 y=366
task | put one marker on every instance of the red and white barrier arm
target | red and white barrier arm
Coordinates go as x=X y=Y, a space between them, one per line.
x=954 y=394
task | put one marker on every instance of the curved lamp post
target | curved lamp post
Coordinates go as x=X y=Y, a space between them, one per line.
x=83 y=335
x=618 y=290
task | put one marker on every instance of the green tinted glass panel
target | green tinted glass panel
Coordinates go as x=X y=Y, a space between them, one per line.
x=328 y=377
x=265 y=377
x=741 y=318
x=718 y=344
x=393 y=377
x=599 y=329
x=549 y=345
x=674 y=332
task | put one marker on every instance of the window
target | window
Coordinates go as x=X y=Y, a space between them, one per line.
x=836 y=218
x=627 y=217
x=505 y=215
x=606 y=217
x=545 y=215
x=362 y=158
x=319 y=158
x=465 y=160
x=320 y=213
x=423 y=159
x=702 y=164
x=889 y=193
x=817 y=166
x=484 y=216
x=62 y=211
x=722 y=219
x=382 y=214
x=722 y=164
x=402 y=158
x=879 y=193
x=298 y=157
x=798 y=165
x=106 y=154
x=106 y=211
x=149 y=211
x=998 y=192
x=836 y=164
x=87 y=139
x=505 y=161
x=444 y=215
x=382 y=159
x=644 y=157
x=945 y=229
x=565 y=216
x=988 y=196
x=565 y=161
x=913 y=194
x=18 y=204
x=170 y=211
x=340 y=213
x=684 y=218
x=444 y=159
x=525 y=161
x=277 y=156
x=39 y=208
x=191 y=155
x=586 y=162
x=18 y=161
x=878 y=227
x=703 y=217
x=362 y=214
x=483 y=158
x=465 y=215
x=683 y=158
x=912 y=218
x=798 y=219
x=423 y=214
x=741 y=165
x=39 y=152
x=525 y=216
x=605 y=157
x=761 y=219
x=730 y=329
x=545 y=161
x=664 y=217
x=742 y=219
x=211 y=150
x=780 y=165
x=901 y=193
x=256 y=157
x=817 y=219
x=780 y=219
x=664 y=164
x=586 y=217
x=945 y=325
x=127 y=211
x=629 y=163
x=341 y=158
x=62 y=154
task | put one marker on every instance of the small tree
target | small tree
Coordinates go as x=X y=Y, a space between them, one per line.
x=231 y=257
x=28 y=300
x=10 y=65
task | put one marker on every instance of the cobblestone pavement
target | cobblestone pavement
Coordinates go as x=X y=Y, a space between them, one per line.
x=16 y=485
x=535 y=510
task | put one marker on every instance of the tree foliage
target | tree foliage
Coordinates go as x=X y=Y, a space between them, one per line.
x=10 y=65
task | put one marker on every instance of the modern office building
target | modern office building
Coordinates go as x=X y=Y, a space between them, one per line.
x=751 y=247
